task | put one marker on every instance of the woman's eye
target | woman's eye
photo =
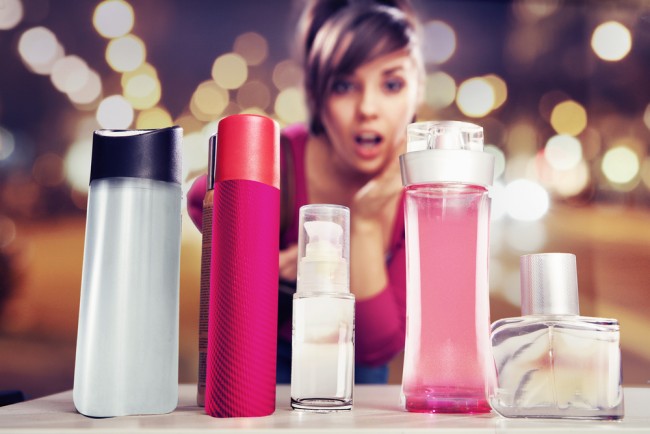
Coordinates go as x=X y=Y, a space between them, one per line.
x=342 y=86
x=394 y=85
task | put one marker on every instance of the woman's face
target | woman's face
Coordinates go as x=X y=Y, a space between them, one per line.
x=366 y=113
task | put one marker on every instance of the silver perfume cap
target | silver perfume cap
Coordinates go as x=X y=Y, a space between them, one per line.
x=549 y=284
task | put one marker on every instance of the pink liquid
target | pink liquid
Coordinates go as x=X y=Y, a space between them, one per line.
x=447 y=362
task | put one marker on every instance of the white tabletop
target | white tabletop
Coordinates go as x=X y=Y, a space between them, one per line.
x=376 y=409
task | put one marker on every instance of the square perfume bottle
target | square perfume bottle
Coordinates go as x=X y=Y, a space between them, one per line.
x=551 y=362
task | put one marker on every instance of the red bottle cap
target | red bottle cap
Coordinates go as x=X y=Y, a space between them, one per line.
x=248 y=147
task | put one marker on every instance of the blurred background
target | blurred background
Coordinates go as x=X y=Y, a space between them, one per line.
x=561 y=87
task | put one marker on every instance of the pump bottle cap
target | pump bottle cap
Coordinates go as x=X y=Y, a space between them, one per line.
x=324 y=249
x=549 y=284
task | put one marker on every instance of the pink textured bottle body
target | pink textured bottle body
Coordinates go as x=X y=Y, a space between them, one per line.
x=242 y=336
x=447 y=362
x=243 y=301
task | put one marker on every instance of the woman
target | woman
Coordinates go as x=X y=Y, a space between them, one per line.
x=364 y=76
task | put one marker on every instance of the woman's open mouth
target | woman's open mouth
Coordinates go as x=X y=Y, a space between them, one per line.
x=368 y=144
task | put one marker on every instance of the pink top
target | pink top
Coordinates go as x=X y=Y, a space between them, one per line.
x=379 y=321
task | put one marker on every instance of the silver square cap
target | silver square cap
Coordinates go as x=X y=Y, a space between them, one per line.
x=549 y=284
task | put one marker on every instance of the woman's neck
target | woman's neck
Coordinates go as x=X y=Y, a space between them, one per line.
x=328 y=179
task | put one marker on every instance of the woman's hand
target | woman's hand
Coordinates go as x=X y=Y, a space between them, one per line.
x=372 y=211
x=369 y=203
x=289 y=263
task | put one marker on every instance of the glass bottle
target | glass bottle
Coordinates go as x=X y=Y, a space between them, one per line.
x=322 y=356
x=551 y=362
x=447 y=360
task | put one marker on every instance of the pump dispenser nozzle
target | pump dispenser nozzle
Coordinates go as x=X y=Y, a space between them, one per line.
x=324 y=241
x=323 y=265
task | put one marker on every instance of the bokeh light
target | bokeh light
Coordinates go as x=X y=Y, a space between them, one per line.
x=521 y=166
x=646 y=116
x=77 y=165
x=189 y=123
x=475 y=97
x=445 y=42
x=39 y=49
x=230 y=71
x=142 y=90
x=620 y=165
x=253 y=47
x=534 y=10
x=549 y=101
x=254 y=93
x=208 y=101
x=70 y=74
x=126 y=53
x=115 y=112
x=563 y=152
x=611 y=41
x=195 y=152
x=500 y=89
x=7 y=144
x=526 y=200
x=286 y=74
x=90 y=92
x=11 y=12
x=569 y=183
x=569 y=117
x=440 y=90
x=290 y=105
x=113 y=18
x=156 y=117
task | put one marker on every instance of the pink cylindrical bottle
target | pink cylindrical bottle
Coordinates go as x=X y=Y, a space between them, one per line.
x=242 y=337
x=448 y=366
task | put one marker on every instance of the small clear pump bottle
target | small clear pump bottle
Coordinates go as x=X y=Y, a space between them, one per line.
x=322 y=360
x=551 y=362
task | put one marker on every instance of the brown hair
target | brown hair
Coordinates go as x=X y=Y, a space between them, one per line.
x=338 y=36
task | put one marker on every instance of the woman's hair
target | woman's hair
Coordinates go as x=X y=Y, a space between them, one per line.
x=338 y=36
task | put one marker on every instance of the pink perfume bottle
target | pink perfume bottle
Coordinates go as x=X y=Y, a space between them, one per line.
x=242 y=336
x=448 y=366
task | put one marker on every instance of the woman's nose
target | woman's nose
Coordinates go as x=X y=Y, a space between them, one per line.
x=368 y=104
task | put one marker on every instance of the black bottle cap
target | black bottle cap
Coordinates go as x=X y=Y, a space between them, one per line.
x=149 y=154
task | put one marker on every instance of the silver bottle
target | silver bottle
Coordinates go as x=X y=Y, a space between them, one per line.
x=127 y=342
x=551 y=362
